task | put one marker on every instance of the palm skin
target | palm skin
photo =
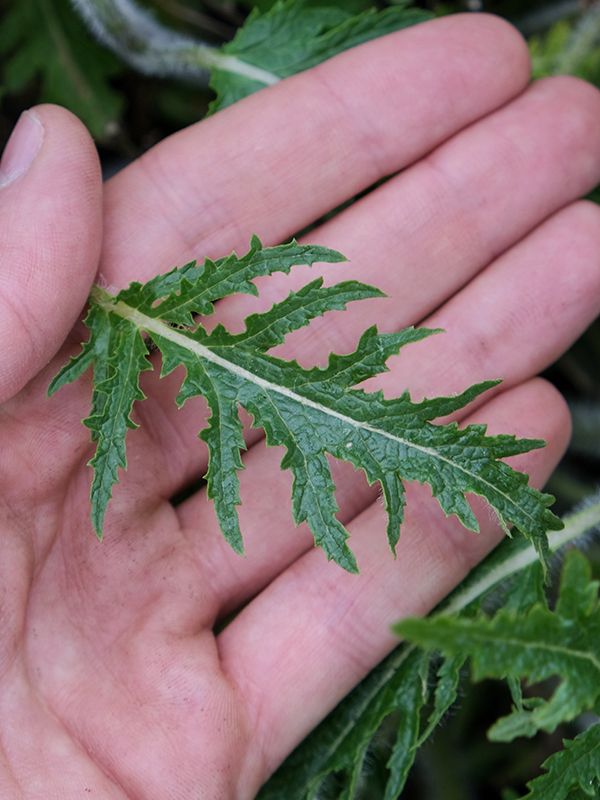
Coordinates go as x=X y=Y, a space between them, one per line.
x=112 y=681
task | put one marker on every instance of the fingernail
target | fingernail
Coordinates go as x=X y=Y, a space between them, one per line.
x=22 y=147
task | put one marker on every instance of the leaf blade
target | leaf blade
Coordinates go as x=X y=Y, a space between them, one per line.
x=292 y=36
x=391 y=440
x=537 y=645
x=112 y=402
x=575 y=767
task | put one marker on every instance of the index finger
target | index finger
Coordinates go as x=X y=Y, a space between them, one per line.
x=280 y=159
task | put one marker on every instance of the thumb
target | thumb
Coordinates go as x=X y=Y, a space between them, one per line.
x=50 y=237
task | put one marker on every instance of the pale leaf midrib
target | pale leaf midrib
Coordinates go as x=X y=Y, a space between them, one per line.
x=165 y=331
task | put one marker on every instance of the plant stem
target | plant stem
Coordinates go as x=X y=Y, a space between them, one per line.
x=142 y=42
x=508 y=561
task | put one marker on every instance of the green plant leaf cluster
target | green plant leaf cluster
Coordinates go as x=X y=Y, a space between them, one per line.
x=312 y=413
x=294 y=35
x=526 y=640
x=45 y=40
x=402 y=702
x=536 y=645
x=403 y=685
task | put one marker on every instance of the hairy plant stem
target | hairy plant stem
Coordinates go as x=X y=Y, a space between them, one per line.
x=490 y=574
x=142 y=42
x=200 y=20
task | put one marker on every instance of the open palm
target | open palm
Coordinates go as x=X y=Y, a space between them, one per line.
x=113 y=683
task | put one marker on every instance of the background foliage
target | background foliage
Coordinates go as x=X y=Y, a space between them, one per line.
x=48 y=54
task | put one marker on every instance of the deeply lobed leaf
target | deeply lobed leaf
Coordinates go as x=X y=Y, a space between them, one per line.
x=118 y=353
x=340 y=743
x=312 y=413
x=536 y=645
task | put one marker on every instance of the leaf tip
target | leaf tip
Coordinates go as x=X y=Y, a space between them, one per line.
x=53 y=387
x=255 y=242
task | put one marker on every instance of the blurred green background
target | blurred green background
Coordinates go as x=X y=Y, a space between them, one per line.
x=47 y=54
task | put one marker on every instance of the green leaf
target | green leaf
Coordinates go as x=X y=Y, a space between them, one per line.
x=267 y=330
x=192 y=289
x=408 y=702
x=408 y=705
x=537 y=645
x=224 y=437
x=340 y=740
x=577 y=767
x=118 y=355
x=445 y=693
x=45 y=39
x=276 y=41
x=295 y=35
x=311 y=413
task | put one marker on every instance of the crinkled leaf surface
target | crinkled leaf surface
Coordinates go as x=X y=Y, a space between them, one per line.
x=312 y=413
x=537 y=645
x=295 y=35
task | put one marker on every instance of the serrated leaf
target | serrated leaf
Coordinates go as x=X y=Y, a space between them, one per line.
x=118 y=354
x=192 y=289
x=444 y=694
x=341 y=741
x=538 y=645
x=295 y=35
x=224 y=437
x=334 y=747
x=267 y=330
x=408 y=706
x=577 y=767
x=312 y=413
x=45 y=38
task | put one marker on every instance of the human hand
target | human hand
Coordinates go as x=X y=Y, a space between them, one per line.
x=112 y=682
